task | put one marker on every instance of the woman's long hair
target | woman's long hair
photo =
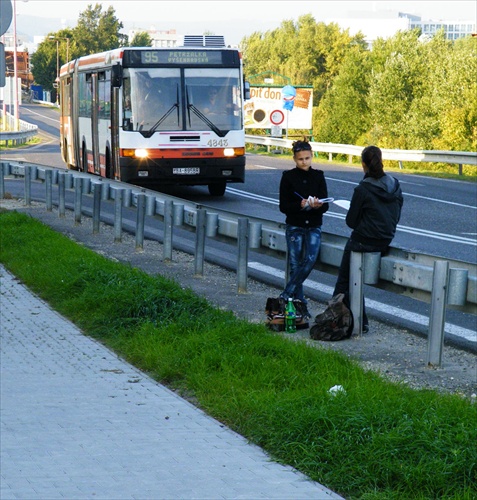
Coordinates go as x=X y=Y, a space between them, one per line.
x=372 y=157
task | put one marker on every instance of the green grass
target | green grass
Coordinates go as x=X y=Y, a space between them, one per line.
x=8 y=144
x=379 y=440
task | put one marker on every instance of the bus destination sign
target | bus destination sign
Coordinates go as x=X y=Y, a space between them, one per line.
x=180 y=57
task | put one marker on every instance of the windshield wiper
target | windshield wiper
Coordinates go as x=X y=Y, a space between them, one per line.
x=148 y=133
x=198 y=113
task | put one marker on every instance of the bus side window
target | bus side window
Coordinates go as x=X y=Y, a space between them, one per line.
x=85 y=94
x=127 y=109
x=104 y=94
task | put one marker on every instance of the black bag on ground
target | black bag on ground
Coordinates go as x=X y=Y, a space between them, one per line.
x=335 y=322
x=275 y=311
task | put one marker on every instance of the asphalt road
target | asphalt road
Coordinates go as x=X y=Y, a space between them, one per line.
x=439 y=216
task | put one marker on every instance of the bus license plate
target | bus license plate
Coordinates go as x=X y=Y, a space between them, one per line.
x=186 y=171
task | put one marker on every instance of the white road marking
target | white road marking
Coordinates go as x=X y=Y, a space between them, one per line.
x=43 y=116
x=440 y=200
x=404 y=229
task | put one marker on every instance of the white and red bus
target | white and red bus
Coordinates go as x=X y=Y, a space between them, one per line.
x=143 y=115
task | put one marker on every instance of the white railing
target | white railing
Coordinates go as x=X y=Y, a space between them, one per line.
x=26 y=132
x=453 y=157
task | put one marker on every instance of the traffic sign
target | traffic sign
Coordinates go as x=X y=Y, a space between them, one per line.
x=276 y=131
x=6 y=15
x=277 y=116
x=288 y=95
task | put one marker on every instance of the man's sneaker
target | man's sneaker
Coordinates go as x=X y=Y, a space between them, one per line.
x=282 y=301
x=302 y=315
x=365 y=329
x=302 y=309
x=275 y=311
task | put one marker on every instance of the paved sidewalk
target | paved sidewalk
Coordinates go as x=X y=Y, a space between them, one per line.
x=77 y=422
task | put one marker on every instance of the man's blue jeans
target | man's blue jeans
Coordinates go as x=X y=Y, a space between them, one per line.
x=303 y=247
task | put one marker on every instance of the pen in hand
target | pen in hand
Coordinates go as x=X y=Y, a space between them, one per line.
x=312 y=202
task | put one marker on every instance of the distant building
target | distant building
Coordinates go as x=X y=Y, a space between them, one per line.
x=8 y=41
x=23 y=67
x=453 y=29
x=23 y=58
x=385 y=24
x=167 y=38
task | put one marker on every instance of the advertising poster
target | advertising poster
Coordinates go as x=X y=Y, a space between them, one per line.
x=267 y=108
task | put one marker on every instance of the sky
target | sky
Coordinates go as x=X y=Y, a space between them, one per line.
x=242 y=17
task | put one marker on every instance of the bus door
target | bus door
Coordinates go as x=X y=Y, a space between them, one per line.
x=76 y=109
x=86 y=121
x=112 y=170
x=94 y=122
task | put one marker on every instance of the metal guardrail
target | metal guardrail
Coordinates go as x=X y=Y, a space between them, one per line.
x=416 y=275
x=26 y=132
x=453 y=157
x=446 y=283
x=407 y=271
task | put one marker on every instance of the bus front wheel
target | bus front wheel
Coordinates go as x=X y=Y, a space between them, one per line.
x=217 y=188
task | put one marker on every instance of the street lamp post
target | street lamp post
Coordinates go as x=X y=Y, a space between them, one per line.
x=15 y=68
x=57 y=60
x=57 y=81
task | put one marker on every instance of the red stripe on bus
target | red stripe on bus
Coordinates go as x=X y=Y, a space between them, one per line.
x=183 y=153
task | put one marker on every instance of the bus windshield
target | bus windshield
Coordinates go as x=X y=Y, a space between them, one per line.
x=174 y=99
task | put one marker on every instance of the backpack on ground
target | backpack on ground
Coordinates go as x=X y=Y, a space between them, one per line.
x=275 y=311
x=335 y=322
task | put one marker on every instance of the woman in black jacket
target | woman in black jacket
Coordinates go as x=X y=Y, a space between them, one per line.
x=300 y=192
x=373 y=216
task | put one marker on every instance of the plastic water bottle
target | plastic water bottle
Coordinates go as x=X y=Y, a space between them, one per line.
x=290 y=317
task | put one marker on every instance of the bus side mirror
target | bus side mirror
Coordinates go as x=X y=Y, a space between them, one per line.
x=117 y=75
x=246 y=91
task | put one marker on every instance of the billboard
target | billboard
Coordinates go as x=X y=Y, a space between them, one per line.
x=269 y=107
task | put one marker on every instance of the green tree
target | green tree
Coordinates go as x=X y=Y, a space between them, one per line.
x=43 y=64
x=343 y=115
x=421 y=124
x=98 y=31
x=423 y=93
x=407 y=92
x=454 y=94
x=307 y=52
x=399 y=70
x=141 y=39
x=46 y=60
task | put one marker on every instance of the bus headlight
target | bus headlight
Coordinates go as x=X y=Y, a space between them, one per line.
x=141 y=153
x=229 y=152
x=134 y=153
